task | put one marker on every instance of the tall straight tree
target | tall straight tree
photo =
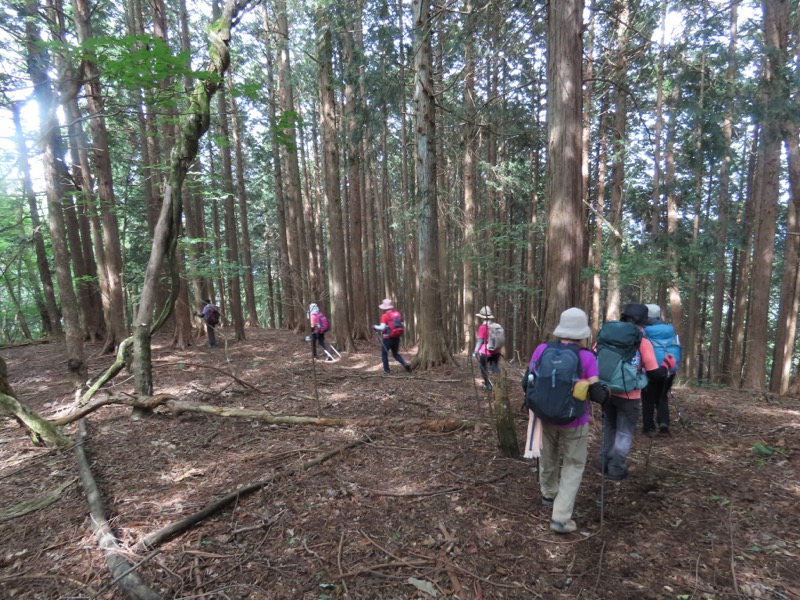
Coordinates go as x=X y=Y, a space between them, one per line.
x=470 y=169
x=774 y=98
x=116 y=330
x=38 y=63
x=331 y=185
x=433 y=350
x=564 y=240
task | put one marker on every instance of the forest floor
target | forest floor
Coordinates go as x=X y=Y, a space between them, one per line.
x=711 y=511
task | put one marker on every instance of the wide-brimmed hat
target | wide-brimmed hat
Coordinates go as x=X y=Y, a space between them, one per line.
x=386 y=304
x=313 y=309
x=637 y=313
x=573 y=325
x=485 y=313
x=653 y=311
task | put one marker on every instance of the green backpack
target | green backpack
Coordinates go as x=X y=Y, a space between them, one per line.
x=618 y=358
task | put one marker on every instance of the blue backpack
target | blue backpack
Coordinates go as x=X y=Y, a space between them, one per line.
x=664 y=340
x=549 y=395
x=618 y=358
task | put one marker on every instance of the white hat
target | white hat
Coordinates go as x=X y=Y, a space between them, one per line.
x=573 y=325
x=485 y=313
x=653 y=311
x=386 y=304
x=313 y=309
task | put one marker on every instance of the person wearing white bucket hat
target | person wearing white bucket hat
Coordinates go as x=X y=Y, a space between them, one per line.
x=389 y=330
x=486 y=357
x=561 y=375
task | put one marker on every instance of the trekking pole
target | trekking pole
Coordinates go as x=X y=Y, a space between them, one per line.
x=335 y=350
x=602 y=465
x=678 y=410
x=475 y=386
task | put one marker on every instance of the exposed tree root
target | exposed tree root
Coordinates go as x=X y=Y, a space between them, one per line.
x=128 y=581
x=38 y=503
x=166 y=533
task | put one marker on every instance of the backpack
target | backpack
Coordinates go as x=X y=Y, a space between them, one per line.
x=395 y=323
x=212 y=316
x=322 y=323
x=554 y=375
x=618 y=358
x=664 y=340
x=497 y=337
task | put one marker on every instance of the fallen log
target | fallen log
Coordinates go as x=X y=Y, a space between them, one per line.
x=170 y=531
x=128 y=581
x=179 y=407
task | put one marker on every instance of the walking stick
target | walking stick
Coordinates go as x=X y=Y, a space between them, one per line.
x=602 y=466
x=678 y=410
x=475 y=386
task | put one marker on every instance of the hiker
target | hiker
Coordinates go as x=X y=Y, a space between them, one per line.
x=389 y=330
x=482 y=353
x=561 y=375
x=210 y=316
x=655 y=395
x=319 y=325
x=634 y=364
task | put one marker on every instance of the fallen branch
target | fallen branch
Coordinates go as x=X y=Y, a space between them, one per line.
x=179 y=407
x=166 y=533
x=128 y=581
x=241 y=382
x=38 y=503
x=38 y=427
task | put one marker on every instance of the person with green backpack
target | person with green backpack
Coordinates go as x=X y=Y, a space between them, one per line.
x=626 y=360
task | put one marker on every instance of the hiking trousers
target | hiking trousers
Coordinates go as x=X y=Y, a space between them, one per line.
x=620 y=417
x=655 y=400
x=561 y=466
x=318 y=338
x=490 y=361
x=391 y=345
x=212 y=335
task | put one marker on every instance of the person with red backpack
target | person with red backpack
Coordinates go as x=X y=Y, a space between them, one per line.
x=390 y=330
x=487 y=347
x=319 y=325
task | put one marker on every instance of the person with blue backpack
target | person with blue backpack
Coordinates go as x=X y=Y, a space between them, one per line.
x=626 y=362
x=561 y=375
x=655 y=395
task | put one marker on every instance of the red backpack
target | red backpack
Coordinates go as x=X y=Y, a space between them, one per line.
x=395 y=323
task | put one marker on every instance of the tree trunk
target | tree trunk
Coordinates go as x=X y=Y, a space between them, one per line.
x=470 y=137
x=37 y=66
x=192 y=126
x=331 y=186
x=564 y=242
x=433 y=350
x=774 y=99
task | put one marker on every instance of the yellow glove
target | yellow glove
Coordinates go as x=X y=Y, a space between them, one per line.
x=581 y=389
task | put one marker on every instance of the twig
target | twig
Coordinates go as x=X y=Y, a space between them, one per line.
x=733 y=557
x=202 y=366
x=599 y=569
x=339 y=564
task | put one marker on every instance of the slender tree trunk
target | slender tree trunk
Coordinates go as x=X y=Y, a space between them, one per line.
x=723 y=203
x=331 y=185
x=37 y=66
x=470 y=137
x=51 y=325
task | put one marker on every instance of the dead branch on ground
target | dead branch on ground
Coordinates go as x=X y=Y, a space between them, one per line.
x=170 y=531
x=129 y=582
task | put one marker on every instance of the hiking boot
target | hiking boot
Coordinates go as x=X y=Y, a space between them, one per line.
x=548 y=501
x=329 y=359
x=617 y=477
x=386 y=371
x=565 y=527
x=664 y=429
x=488 y=386
x=407 y=368
x=649 y=432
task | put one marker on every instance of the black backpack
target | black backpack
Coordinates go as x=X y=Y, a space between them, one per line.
x=212 y=316
x=617 y=346
x=549 y=394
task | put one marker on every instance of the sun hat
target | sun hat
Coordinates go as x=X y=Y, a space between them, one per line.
x=636 y=313
x=313 y=309
x=573 y=325
x=653 y=311
x=485 y=313
x=386 y=304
